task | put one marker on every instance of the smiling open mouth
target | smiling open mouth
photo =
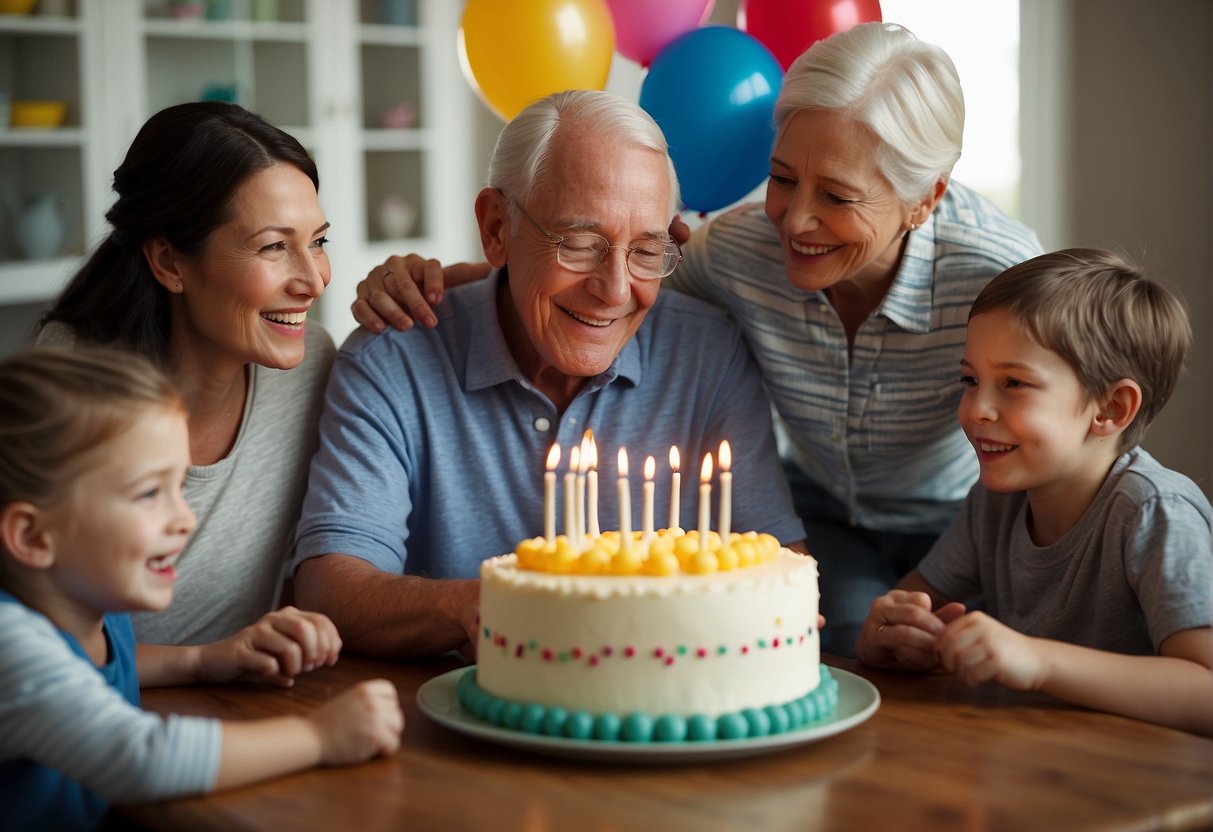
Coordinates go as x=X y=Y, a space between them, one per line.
x=597 y=322
x=813 y=251
x=285 y=318
x=162 y=564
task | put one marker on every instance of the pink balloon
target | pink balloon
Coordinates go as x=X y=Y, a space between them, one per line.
x=644 y=27
x=788 y=27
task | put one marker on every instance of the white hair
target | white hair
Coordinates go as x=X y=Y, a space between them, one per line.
x=522 y=155
x=904 y=89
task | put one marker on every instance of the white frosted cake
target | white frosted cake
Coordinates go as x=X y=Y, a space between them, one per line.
x=666 y=641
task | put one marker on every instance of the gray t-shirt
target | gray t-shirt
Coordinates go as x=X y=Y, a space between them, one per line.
x=1135 y=569
x=247 y=503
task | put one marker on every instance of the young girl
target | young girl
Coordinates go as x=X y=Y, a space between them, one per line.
x=93 y=451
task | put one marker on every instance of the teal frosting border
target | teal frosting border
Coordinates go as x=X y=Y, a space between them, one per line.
x=637 y=727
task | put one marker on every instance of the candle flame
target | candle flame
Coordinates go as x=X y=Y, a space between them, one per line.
x=726 y=456
x=593 y=448
x=705 y=473
x=623 y=462
x=586 y=439
x=574 y=459
x=674 y=460
x=650 y=468
x=553 y=457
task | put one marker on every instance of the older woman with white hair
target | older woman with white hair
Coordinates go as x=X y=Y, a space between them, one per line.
x=852 y=284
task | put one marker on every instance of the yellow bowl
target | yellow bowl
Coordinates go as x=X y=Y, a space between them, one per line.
x=16 y=6
x=38 y=113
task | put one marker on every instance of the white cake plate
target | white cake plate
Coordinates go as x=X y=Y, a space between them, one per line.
x=858 y=699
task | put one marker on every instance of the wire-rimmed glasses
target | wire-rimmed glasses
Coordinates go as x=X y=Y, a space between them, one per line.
x=584 y=251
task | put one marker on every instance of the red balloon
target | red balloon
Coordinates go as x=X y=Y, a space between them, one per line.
x=788 y=27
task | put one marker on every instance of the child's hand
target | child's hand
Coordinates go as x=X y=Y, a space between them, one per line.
x=277 y=648
x=901 y=631
x=362 y=722
x=979 y=649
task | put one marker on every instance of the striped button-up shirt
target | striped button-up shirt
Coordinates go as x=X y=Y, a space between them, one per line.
x=875 y=425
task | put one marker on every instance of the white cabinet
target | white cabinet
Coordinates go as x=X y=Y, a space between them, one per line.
x=371 y=87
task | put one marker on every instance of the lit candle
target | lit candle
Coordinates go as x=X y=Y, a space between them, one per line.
x=625 y=503
x=675 y=488
x=650 y=469
x=726 y=492
x=570 y=499
x=705 y=501
x=549 y=494
x=591 y=487
x=583 y=465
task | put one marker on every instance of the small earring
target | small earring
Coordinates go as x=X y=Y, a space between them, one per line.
x=913 y=226
x=178 y=290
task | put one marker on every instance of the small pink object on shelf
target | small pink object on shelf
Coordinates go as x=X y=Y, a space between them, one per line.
x=400 y=117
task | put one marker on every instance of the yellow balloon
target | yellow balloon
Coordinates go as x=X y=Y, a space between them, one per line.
x=516 y=51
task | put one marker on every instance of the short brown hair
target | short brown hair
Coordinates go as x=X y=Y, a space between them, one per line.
x=58 y=405
x=1105 y=317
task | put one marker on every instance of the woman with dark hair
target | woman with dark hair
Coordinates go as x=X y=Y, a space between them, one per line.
x=215 y=257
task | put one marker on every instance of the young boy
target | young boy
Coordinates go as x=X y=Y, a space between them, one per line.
x=1094 y=561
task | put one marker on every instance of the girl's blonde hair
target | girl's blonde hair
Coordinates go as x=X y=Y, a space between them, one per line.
x=58 y=406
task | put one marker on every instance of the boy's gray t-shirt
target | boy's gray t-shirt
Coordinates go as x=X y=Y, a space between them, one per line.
x=1135 y=569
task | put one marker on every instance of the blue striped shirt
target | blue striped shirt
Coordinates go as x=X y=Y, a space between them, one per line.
x=875 y=425
x=72 y=735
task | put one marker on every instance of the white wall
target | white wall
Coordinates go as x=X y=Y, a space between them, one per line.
x=1118 y=152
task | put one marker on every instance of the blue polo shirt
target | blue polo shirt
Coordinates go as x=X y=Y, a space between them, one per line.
x=433 y=444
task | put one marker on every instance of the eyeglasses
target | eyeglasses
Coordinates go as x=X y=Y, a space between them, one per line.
x=584 y=252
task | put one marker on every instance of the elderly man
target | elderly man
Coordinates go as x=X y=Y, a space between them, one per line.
x=433 y=441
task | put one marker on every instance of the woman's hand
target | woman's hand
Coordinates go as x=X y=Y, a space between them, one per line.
x=277 y=648
x=403 y=291
x=901 y=631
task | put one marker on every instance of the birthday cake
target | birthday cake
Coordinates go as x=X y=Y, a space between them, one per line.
x=661 y=640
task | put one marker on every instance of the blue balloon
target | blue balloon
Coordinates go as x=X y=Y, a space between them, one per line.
x=713 y=92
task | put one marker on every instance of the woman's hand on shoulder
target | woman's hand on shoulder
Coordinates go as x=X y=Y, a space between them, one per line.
x=280 y=646
x=404 y=290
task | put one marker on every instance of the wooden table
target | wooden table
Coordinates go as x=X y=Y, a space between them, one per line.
x=936 y=756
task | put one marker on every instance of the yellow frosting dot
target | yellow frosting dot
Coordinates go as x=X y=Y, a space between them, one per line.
x=704 y=563
x=594 y=561
x=686 y=547
x=661 y=564
x=564 y=559
x=627 y=562
x=747 y=553
x=727 y=557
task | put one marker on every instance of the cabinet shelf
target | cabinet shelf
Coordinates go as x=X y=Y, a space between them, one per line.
x=37 y=137
x=34 y=281
x=227 y=30
x=388 y=139
x=29 y=25
x=387 y=34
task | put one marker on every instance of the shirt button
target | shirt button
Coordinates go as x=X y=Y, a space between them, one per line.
x=543 y=424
